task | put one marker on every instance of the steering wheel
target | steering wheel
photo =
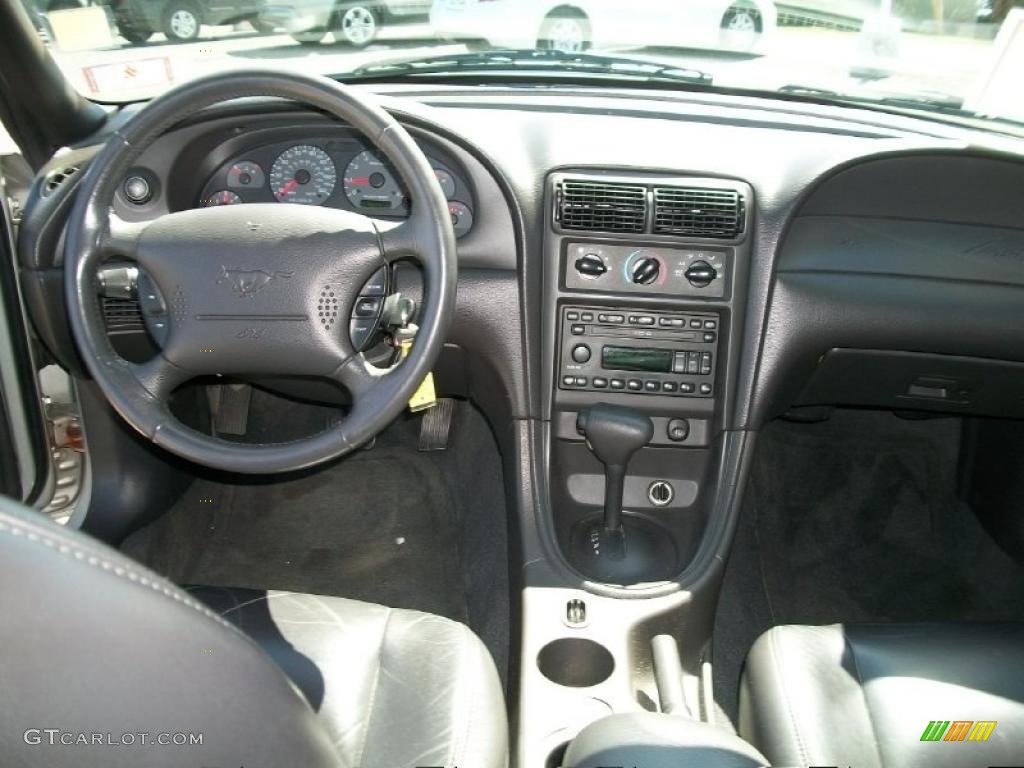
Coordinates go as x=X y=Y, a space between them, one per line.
x=261 y=289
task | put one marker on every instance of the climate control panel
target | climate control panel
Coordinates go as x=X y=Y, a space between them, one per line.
x=691 y=272
x=638 y=351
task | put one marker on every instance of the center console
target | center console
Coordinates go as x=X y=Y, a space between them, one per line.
x=643 y=280
x=639 y=301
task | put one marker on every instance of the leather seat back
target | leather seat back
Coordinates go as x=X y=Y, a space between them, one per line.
x=97 y=648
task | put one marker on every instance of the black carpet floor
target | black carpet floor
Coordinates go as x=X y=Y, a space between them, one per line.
x=857 y=519
x=389 y=525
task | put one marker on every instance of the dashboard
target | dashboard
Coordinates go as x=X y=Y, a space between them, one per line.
x=821 y=261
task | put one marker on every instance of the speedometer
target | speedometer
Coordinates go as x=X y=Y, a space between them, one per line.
x=303 y=174
x=370 y=185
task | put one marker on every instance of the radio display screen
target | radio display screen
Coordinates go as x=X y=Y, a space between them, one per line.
x=631 y=359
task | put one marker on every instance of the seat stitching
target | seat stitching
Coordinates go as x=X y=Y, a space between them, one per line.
x=864 y=697
x=376 y=686
x=785 y=698
x=123 y=572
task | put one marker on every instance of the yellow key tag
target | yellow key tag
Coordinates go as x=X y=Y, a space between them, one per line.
x=425 y=396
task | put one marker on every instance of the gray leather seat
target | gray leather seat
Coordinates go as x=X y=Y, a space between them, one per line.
x=866 y=695
x=103 y=659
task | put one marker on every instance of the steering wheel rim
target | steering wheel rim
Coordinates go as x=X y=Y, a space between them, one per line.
x=209 y=259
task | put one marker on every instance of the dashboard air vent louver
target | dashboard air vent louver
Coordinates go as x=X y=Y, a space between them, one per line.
x=55 y=179
x=600 y=206
x=698 y=212
x=122 y=315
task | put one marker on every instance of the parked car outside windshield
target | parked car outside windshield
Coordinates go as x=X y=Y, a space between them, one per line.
x=949 y=58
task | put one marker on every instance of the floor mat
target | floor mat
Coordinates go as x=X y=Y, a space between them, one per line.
x=857 y=519
x=359 y=529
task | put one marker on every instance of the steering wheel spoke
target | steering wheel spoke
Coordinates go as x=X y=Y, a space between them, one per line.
x=159 y=376
x=122 y=237
x=401 y=240
x=358 y=376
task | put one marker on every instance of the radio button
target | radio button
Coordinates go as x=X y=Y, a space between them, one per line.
x=668 y=386
x=572 y=316
x=611 y=319
x=641 y=320
x=581 y=381
x=710 y=325
x=568 y=381
x=696 y=323
x=686 y=388
x=635 y=385
x=671 y=322
x=709 y=336
x=587 y=317
x=693 y=362
x=705 y=363
x=651 y=386
x=618 y=384
x=679 y=363
x=578 y=330
x=705 y=389
x=581 y=353
x=599 y=382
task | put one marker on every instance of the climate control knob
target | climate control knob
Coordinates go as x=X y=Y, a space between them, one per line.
x=591 y=265
x=700 y=274
x=645 y=271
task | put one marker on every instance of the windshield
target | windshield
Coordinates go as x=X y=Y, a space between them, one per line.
x=961 y=57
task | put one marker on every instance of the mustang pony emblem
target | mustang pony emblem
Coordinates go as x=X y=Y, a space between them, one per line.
x=249 y=282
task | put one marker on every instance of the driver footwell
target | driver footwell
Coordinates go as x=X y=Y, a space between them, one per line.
x=389 y=525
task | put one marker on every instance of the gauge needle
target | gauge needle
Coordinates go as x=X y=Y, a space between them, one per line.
x=360 y=181
x=287 y=189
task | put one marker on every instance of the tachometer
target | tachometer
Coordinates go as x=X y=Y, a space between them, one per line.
x=303 y=174
x=370 y=185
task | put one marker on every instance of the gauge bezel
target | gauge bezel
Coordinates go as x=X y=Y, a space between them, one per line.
x=264 y=146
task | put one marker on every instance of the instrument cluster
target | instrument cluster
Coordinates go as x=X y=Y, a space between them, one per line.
x=336 y=172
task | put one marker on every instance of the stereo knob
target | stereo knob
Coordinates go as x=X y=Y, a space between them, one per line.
x=645 y=271
x=581 y=353
x=700 y=274
x=591 y=265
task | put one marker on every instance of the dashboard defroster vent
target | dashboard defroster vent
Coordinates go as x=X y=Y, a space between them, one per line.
x=698 y=212
x=122 y=315
x=599 y=206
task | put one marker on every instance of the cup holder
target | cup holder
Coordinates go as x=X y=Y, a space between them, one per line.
x=575 y=662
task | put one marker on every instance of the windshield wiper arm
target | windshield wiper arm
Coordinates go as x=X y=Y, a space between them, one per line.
x=937 y=103
x=533 y=61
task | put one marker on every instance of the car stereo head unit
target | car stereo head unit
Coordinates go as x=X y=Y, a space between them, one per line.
x=644 y=352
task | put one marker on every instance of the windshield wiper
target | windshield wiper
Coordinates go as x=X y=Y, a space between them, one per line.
x=940 y=102
x=514 y=61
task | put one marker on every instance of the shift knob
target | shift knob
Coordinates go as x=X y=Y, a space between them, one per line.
x=614 y=433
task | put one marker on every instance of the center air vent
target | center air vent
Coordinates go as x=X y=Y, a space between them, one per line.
x=599 y=206
x=122 y=315
x=698 y=212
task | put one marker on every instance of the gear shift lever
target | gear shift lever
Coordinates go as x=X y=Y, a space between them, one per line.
x=614 y=434
x=617 y=548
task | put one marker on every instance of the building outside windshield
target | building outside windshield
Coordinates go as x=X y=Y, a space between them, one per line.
x=953 y=57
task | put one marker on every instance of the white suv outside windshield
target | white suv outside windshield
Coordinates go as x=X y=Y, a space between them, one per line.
x=957 y=56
